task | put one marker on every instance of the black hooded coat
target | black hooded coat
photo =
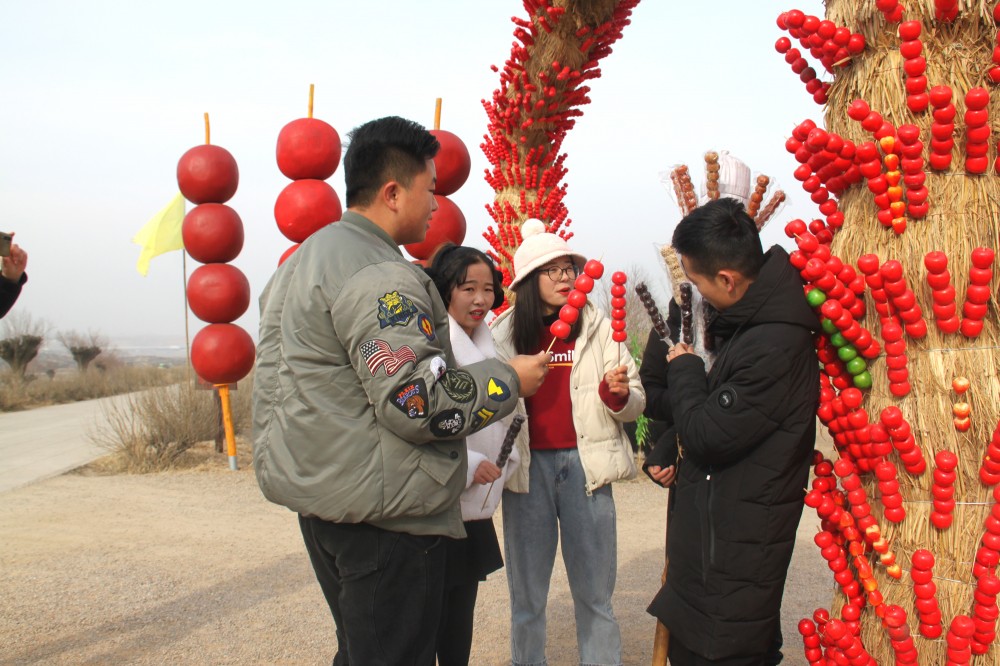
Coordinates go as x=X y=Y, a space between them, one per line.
x=746 y=432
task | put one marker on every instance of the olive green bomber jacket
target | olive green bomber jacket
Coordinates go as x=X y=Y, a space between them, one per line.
x=359 y=409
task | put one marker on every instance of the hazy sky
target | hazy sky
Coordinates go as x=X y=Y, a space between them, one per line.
x=101 y=98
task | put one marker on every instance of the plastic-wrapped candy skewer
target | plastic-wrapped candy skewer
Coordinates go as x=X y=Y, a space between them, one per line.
x=506 y=448
x=659 y=324
x=687 y=313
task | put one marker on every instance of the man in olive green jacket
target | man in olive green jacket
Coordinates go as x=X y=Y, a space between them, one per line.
x=360 y=410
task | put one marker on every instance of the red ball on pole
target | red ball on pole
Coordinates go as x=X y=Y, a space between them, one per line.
x=446 y=225
x=222 y=353
x=207 y=174
x=213 y=233
x=453 y=162
x=308 y=148
x=287 y=253
x=305 y=206
x=218 y=293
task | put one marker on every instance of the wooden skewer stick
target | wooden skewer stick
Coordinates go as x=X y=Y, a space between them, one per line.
x=208 y=130
x=437 y=114
x=312 y=88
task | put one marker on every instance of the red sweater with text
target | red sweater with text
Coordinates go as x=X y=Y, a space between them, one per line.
x=550 y=410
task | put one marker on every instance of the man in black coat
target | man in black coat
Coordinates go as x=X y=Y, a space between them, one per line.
x=746 y=432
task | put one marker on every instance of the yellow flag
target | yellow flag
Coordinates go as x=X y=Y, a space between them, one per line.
x=161 y=234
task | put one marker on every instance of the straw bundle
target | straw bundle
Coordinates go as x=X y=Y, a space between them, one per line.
x=964 y=214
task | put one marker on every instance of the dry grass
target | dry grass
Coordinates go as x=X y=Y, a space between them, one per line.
x=155 y=430
x=38 y=391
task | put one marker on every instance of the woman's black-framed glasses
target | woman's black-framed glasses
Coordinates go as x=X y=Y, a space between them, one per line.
x=557 y=273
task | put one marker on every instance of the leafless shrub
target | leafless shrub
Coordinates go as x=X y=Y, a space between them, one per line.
x=151 y=430
x=22 y=338
x=17 y=393
x=83 y=348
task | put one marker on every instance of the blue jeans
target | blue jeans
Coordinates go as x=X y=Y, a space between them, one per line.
x=557 y=504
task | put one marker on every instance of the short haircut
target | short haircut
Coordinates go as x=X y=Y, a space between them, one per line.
x=384 y=150
x=720 y=235
x=450 y=266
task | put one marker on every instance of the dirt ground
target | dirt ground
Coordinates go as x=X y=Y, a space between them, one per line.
x=195 y=567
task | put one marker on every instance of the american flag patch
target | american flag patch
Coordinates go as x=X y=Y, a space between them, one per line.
x=378 y=353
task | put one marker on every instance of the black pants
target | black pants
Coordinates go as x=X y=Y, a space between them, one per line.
x=681 y=655
x=384 y=590
x=454 y=642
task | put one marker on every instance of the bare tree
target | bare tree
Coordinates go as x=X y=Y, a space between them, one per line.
x=83 y=348
x=22 y=338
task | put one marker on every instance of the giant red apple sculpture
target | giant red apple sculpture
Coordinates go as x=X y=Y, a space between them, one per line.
x=452 y=165
x=308 y=152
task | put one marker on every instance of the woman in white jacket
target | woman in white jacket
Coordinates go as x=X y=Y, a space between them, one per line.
x=572 y=447
x=470 y=287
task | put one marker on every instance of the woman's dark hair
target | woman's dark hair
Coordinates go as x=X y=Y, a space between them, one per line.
x=450 y=266
x=529 y=317
x=720 y=235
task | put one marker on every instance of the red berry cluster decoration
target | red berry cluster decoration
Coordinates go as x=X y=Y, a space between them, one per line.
x=911 y=163
x=959 y=640
x=943 y=490
x=903 y=300
x=826 y=168
x=977 y=130
x=989 y=471
x=811 y=642
x=942 y=128
x=888 y=484
x=218 y=293
x=942 y=291
x=946 y=10
x=851 y=649
x=829 y=43
x=925 y=591
x=618 y=291
x=994 y=73
x=985 y=612
x=894 y=623
x=901 y=435
x=891 y=9
x=914 y=65
x=529 y=115
x=978 y=293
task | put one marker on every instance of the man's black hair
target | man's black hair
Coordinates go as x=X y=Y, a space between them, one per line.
x=720 y=235
x=382 y=150
x=450 y=267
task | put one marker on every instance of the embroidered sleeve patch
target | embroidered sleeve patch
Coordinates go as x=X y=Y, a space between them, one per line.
x=482 y=418
x=459 y=385
x=447 y=423
x=497 y=390
x=438 y=366
x=395 y=309
x=426 y=327
x=379 y=354
x=411 y=399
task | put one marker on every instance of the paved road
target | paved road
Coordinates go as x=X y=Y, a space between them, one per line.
x=40 y=443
